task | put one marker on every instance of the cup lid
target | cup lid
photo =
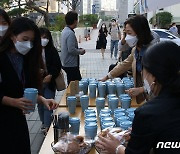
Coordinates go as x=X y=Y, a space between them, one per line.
x=91 y=119
x=90 y=115
x=126 y=123
x=118 y=114
x=71 y=97
x=84 y=97
x=123 y=118
x=104 y=115
x=114 y=99
x=119 y=110
x=100 y=99
x=105 y=111
x=91 y=124
x=123 y=95
x=89 y=111
x=126 y=98
x=111 y=95
x=74 y=119
x=108 y=124
x=107 y=119
x=31 y=90
x=131 y=109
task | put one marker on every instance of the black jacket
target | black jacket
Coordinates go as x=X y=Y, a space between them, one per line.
x=13 y=130
x=156 y=121
x=53 y=65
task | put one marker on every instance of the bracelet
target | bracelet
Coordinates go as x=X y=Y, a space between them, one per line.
x=117 y=148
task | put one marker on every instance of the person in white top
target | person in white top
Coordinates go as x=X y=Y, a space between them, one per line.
x=115 y=33
x=174 y=29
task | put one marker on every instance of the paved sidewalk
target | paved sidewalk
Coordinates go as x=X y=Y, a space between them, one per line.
x=92 y=66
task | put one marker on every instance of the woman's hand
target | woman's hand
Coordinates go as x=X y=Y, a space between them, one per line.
x=49 y=103
x=135 y=91
x=23 y=104
x=104 y=79
x=47 y=79
x=108 y=145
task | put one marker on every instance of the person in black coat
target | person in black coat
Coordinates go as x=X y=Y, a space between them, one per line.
x=20 y=56
x=50 y=71
x=103 y=32
x=156 y=125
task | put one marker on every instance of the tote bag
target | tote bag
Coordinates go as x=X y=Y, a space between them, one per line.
x=98 y=45
x=60 y=83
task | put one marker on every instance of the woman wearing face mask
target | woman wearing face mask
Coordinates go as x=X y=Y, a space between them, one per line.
x=20 y=56
x=156 y=124
x=52 y=67
x=138 y=37
x=4 y=23
x=103 y=32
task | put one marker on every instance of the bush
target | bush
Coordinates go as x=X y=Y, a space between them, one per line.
x=59 y=23
x=91 y=19
x=162 y=19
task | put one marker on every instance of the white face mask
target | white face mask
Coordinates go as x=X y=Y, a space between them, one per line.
x=23 y=47
x=3 y=30
x=103 y=26
x=131 y=40
x=44 y=42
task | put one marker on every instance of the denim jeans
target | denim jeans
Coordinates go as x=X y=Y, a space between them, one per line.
x=114 y=44
x=45 y=114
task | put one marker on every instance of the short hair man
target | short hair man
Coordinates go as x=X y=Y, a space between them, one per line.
x=69 y=48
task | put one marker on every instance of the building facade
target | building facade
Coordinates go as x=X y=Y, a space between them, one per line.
x=122 y=7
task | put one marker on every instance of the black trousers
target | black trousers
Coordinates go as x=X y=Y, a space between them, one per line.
x=73 y=73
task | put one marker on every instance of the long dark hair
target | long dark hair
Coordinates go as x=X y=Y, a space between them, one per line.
x=47 y=33
x=162 y=61
x=33 y=58
x=5 y=16
x=140 y=26
x=105 y=29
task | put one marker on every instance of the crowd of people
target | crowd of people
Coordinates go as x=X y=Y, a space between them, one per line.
x=28 y=59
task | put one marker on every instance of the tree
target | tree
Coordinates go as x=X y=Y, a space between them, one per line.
x=59 y=23
x=71 y=4
x=162 y=19
x=19 y=7
x=91 y=19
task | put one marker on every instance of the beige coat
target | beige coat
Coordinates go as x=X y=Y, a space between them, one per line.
x=127 y=64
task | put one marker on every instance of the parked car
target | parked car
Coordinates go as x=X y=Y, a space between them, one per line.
x=165 y=35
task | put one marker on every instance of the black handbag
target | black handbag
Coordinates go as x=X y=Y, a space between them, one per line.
x=98 y=45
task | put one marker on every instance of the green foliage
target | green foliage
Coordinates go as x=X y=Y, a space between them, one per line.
x=59 y=23
x=4 y=3
x=162 y=19
x=17 y=11
x=91 y=19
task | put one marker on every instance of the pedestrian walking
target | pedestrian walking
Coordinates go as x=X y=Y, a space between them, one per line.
x=103 y=32
x=115 y=34
x=20 y=56
x=69 y=48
